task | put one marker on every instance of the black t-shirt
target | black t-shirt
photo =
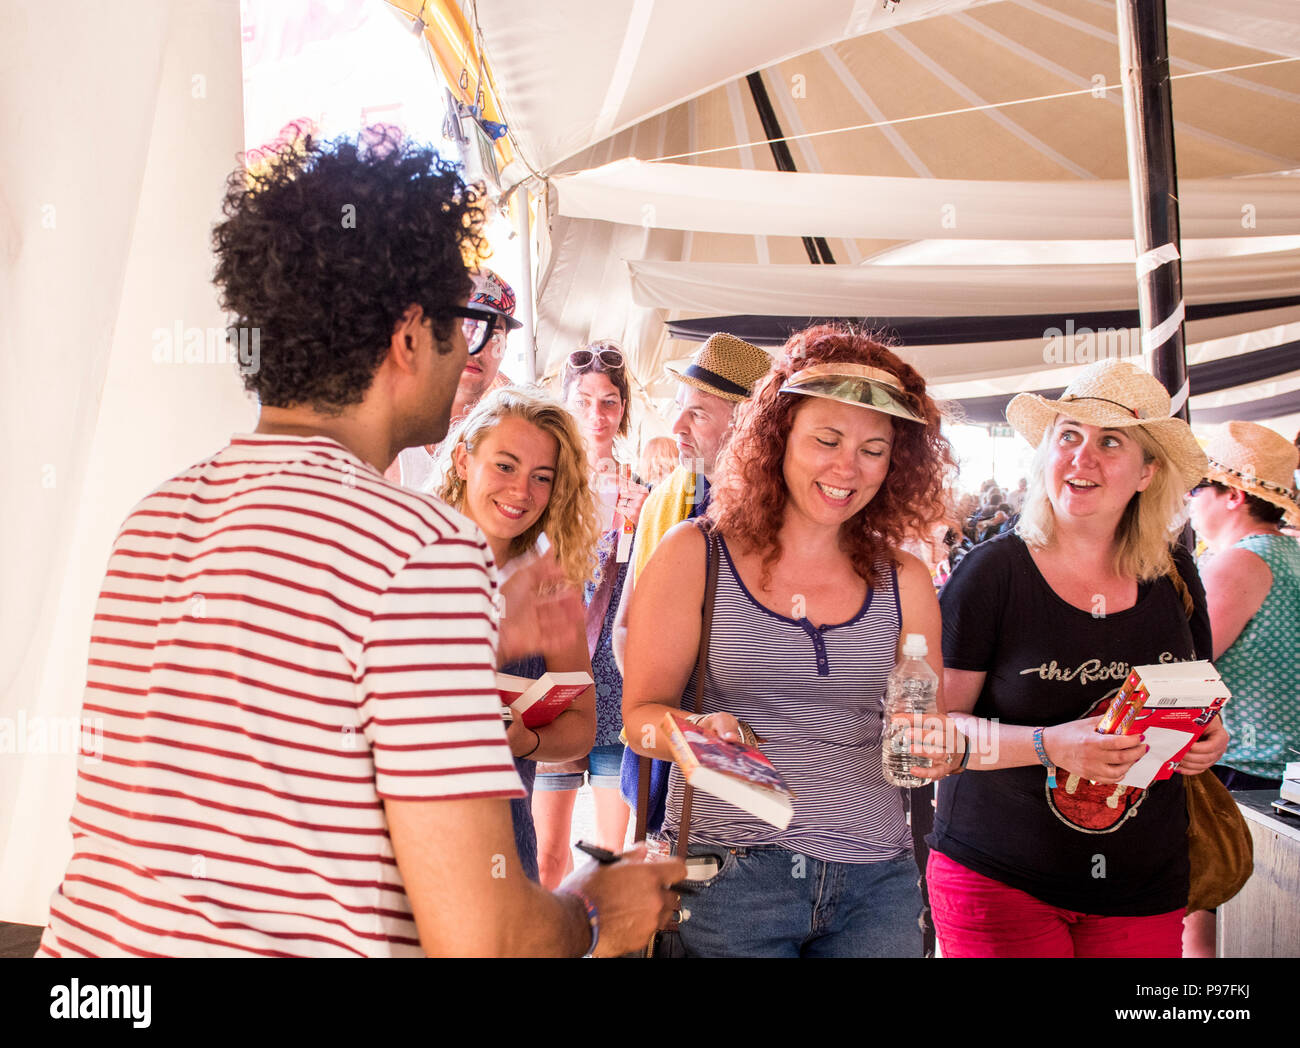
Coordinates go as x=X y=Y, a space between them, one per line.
x=1103 y=849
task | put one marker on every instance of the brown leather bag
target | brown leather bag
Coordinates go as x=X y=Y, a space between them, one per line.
x=1220 y=851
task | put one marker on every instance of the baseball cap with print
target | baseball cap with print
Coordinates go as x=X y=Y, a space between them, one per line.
x=491 y=292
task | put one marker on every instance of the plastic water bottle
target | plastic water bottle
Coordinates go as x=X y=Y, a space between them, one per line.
x=912 y=688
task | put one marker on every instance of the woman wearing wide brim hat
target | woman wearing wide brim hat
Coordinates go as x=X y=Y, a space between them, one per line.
x=1252 y=583
x=1252 y=580
x=1040 y=629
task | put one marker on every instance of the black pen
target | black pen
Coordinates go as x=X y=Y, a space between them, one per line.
x=604 y=856
x=601 y=855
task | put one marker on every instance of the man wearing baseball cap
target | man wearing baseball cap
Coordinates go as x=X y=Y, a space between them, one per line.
x=413 y=467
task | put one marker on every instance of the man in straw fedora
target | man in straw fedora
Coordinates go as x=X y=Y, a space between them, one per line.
x=711 y=383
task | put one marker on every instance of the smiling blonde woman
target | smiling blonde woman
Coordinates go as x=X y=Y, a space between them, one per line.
x=516 y=467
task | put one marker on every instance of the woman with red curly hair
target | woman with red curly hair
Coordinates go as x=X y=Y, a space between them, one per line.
x=836 y=459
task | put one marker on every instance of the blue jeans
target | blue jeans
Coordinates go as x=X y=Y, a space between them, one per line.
x=603 y=766
x=771 y=902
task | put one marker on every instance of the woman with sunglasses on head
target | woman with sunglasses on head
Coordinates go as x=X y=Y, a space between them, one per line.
x=837 y=458
x=1039 y=850
x=515 y=466
x=596 y=391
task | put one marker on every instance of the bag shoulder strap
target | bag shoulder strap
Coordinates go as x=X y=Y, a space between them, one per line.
x=701 y=665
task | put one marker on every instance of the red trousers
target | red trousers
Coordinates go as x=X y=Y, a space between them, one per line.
x=976 y=916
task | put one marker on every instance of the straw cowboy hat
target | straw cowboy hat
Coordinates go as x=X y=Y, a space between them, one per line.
x=725 y=366
x=1258 y=461
x=1115 y=394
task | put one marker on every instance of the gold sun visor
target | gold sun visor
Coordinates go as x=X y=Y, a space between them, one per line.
x=857 y=384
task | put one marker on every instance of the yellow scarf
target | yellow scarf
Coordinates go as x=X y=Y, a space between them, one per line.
x=669 y=504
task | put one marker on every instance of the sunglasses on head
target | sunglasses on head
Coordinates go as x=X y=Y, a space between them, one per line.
x=581 y=359
x=478 y=325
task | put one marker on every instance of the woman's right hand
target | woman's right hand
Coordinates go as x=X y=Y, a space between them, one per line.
x=1076 y=747
x=723 y=725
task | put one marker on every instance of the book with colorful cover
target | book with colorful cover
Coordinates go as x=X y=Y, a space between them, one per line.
x=1171 y=704
x=736 y=773
x=538 y=702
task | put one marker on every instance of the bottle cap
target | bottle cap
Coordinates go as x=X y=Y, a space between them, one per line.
x=915 y=645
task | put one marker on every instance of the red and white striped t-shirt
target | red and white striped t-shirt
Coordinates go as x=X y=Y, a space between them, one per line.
x=283 y=638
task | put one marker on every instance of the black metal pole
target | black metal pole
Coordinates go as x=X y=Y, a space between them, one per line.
x=1153 y=183
x=817 y=248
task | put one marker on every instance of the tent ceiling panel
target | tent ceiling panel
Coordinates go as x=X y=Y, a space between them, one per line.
x=822 y=79
x=685 y=196
x=571 y=72
x=943 y=290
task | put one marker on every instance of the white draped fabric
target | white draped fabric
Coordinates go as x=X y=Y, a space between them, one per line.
x=571 y=73
x=123 y=121
x=977 y=134
x=792 y=204
x=943 y=291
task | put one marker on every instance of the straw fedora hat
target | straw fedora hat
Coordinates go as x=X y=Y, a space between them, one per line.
x=726 y=366
x=1115 y=394
x=1258 y=461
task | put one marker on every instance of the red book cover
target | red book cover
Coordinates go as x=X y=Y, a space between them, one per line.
x=538 y=702
x=736 y=773
x=1169 y=703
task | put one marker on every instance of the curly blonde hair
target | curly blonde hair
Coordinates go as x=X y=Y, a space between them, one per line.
x=569 y=519
x=1151 y=522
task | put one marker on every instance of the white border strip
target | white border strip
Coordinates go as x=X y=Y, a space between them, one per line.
x=1155 y=258
x=1164 y=331
x=1180 y=398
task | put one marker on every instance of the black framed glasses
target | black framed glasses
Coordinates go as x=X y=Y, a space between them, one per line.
x=580 y=359
x=478 y=325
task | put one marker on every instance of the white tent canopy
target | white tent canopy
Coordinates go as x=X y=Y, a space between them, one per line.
x=996 y=125
x=571 y=74
x=945 y=291
x=792 y=204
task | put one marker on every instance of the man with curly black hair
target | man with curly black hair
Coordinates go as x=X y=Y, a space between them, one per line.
x=294 y=660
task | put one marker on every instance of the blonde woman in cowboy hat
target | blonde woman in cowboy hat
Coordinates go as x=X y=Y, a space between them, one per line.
x=1252 y=583
x=1038 y=851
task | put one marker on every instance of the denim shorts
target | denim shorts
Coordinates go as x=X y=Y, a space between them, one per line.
x=772 y=902
x=603 y=766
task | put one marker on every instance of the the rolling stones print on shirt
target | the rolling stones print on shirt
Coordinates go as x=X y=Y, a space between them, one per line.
x=1083 y=805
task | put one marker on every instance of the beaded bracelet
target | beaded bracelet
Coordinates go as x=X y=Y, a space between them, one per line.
x=1042 y=756
x=593 y=918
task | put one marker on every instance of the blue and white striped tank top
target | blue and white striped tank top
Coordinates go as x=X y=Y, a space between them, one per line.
x=814 y=694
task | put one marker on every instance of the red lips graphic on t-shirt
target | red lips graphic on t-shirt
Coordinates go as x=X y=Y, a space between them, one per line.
x=1089 y=808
